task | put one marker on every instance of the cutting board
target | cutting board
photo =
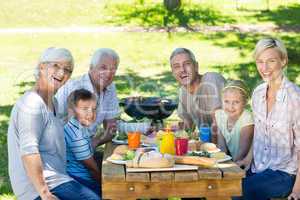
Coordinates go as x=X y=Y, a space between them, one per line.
x=175 y=168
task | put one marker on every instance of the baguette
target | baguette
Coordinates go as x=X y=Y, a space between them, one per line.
x=195 y=160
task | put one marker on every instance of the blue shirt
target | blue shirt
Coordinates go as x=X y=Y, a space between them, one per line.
x=79 y=147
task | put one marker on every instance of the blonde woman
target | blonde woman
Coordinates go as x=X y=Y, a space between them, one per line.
x=274 y=171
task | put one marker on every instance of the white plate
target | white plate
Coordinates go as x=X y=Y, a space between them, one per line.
x=118 y=162
x=115 y=141
x=227 y=158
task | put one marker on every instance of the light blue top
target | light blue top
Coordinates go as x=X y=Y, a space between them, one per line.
x=232 y=137
x=33 y=129
x=79 y=147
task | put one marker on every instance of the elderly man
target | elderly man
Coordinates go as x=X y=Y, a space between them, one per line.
x=98 y=80
x=199 y=95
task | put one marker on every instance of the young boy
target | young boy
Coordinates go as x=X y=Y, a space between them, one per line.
x=81 y=164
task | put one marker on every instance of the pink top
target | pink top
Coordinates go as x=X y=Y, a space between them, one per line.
x=277 y=134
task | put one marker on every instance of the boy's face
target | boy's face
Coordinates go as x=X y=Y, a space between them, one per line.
x=85 y=112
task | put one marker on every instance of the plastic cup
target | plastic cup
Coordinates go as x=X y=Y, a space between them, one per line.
x=204 y=134
x=134 y=139
x=181 y=146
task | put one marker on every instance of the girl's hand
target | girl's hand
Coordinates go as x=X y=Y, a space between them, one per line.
x=244 y=164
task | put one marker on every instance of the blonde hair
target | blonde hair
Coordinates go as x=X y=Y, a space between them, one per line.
x=239 y=86
x=267 y=43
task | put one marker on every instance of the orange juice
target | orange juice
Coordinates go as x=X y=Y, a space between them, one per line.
x=134 y=139
x=167 y=144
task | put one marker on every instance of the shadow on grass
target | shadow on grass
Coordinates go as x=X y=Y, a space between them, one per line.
x=286 y=17
x=155 y=15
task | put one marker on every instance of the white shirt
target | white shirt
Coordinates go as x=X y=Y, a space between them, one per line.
x=107 y=101
x=277 y=133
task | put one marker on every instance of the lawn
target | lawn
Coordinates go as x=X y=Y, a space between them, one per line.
x=144 y=67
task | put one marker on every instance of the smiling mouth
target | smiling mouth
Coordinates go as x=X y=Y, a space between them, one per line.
x=57 y=80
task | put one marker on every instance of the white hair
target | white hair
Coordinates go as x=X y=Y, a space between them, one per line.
x=53 y=54
x=267 y=43
x=101 y=53
x=185 y=51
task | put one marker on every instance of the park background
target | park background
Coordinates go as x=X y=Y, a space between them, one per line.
x=221 y=33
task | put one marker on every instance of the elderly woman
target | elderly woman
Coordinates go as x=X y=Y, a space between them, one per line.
x=36 y=145
x=276 y=145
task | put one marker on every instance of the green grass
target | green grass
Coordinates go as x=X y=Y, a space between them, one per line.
x=42 y=13
x=144 y=67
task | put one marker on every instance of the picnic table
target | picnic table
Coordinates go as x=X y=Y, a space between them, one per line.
x=219 y=183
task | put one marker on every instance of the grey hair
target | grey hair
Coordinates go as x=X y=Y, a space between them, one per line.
x=101 y=53
x=183 y=50
x=53 y=54
x=267 y=43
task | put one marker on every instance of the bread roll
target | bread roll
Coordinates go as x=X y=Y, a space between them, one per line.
x=121 y=149
x=208 y=147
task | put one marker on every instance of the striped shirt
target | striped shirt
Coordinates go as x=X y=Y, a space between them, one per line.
x=277 y=133
x=107 y=101
x=78 y=142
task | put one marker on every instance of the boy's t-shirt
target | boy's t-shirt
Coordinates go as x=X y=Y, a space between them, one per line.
x=79 y=147
x=232 y=137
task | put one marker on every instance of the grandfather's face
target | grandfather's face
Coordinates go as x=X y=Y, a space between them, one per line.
x=184 y=69
x=103 y=74
x=54 y=74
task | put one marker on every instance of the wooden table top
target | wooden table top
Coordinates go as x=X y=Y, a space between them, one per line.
x=225 y=179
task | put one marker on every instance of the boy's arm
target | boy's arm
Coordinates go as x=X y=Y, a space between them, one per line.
x=91 y=164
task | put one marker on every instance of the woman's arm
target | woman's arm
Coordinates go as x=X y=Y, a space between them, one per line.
x=246 y=137
x=34 y=170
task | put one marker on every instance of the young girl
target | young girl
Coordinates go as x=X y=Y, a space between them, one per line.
x=234 y=122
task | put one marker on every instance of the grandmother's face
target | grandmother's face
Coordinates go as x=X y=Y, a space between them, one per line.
x=270 y=64
x=104 y=72
x=184 y=69
x=55 y=74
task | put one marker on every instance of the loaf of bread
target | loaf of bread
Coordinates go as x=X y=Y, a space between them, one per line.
x=195 y=160
x=151 y=159
x=121 y=149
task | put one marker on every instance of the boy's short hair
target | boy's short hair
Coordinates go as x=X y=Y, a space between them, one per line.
x=80 y=94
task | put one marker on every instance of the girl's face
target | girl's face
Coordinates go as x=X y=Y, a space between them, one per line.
x=85 y=112
x=233 y=103
x=270 y=65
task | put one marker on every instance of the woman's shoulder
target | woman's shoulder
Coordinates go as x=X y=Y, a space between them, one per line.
x=31 y=102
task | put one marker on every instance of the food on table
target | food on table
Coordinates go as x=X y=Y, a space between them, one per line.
x=121 y=136
x=194 y=145
x=218 y=155
x=129 y=155
x=208 y=147
x=181 y=134
x=116 y=156
x=121 y=149
x=151 y=159
x=195 y=160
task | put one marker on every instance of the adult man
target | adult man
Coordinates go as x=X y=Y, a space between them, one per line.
x=99 y=81
x=199 y=95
